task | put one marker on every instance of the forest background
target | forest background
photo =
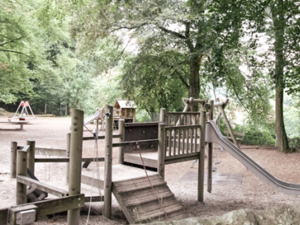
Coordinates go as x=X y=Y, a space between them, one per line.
x=60 y=54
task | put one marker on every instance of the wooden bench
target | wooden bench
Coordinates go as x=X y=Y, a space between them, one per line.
x=21 y=123
x=239 y=138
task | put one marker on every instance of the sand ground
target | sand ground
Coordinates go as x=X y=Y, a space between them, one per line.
x=250 y=193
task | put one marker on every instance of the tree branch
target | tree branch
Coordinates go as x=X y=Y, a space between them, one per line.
x=172 y=32
x=130 y=28
x=21 y=53
x=11 y=41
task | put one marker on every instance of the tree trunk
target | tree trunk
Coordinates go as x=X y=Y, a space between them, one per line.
x=279 y=25
x=194 y=87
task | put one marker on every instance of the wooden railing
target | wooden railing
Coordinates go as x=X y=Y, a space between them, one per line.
x=181 y=140
x=181 y=118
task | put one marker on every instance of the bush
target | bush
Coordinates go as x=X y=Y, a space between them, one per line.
x=257 y=137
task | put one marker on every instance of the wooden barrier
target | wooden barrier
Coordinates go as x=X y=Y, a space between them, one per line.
x=210 y=151
x=108 y=162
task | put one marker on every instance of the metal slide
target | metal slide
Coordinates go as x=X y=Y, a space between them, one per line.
x=213 y=134
x=97 y=114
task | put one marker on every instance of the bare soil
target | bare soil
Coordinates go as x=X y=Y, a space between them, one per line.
x=252 y=193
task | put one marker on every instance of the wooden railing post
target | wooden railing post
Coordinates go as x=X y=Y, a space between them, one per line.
x=201 y=157
x=161 y=150
x=162 y=115
x=108 y=161
x=31 y=155
x=68 y=155
x=21 y=190
x=75 y=162
x=122 y=139
x=13 y=159
x=210 y=151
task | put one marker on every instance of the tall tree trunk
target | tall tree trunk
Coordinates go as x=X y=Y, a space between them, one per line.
x=194 y=87
x=279 y=25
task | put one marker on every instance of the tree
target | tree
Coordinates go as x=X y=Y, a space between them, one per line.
x=190 y=28
x=279 y=20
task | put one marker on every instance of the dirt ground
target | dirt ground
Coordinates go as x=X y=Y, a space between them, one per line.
x=251 y=193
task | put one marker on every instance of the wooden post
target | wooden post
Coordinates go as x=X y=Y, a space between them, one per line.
x=162 y=115
x=21 y=190
x=75 y=162
x=210 y=150
x=108 y=162
x=161 y=150
x=68 y=155
x=122 y=139
x=201 y=157
x=31 y=155
x=13 y=159
x=228 y=126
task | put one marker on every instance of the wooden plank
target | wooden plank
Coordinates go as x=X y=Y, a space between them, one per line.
x=128 y=158
x=42 y=186
x=188 y=141
x=128 y=198
x=66 y=159
x=100 y=137
x=123 y=207
x=156 y=213
x=151 y=197
x=136 y=180
x=183 y=141
x=179 y=141
x=192 y=140
x=142 y=186
x=48 y=207
x=150 y=208
x=174 y=142
x=182 y=127
x=141 y=124
x=92 y=181
x=182 y=158
x=3 y=215
x=140 y=182
x=94 y=199
x=170 y=142
x=151 y=141
x=48 y=151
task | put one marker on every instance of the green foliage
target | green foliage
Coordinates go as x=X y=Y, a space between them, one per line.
x=256 y=137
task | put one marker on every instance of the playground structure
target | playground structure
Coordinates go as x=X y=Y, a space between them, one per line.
x=124 y=109
x=23 y=112
x=179 y=136
x=98 y=116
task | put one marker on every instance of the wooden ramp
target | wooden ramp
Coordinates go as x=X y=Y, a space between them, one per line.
x=139 y=203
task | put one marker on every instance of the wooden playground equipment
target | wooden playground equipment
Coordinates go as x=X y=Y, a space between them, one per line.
x=143 y=195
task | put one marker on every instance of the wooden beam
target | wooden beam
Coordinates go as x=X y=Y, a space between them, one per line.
x=75 y=162
x=150 y=141
x=108 y=162
x=42 y=186
x=13 y=159
x=92 y=181
x=94 y=199
x=161 y=150
x=182 y=127
x=48 y=151
x=210 y=151
x=30 y=155
x=201 y=158
x=48 y=207
x=100 y=137
x=65 y=159
x=122 y=138
x=21 y=190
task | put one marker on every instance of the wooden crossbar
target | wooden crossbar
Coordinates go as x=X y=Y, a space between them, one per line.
x=65 y=159
x=100 y=137
x=42 y=186
x=150 y=141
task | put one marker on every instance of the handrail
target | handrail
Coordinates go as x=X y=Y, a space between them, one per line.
x=150 y=141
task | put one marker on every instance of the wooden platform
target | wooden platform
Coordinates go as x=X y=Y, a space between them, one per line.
x=136 y=197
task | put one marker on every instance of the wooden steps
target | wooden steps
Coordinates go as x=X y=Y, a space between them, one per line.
x=139 y=203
